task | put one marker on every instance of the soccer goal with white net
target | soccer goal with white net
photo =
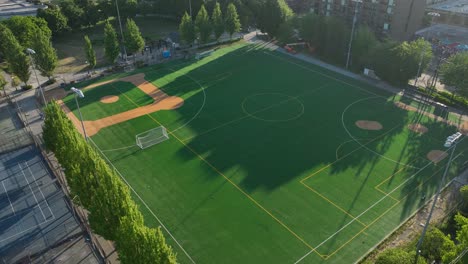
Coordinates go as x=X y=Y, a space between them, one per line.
x=152 y=137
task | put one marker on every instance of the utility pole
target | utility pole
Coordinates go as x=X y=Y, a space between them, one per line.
x=121 y=30
x=352 y=31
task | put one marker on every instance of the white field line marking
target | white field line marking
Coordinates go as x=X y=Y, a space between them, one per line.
x=372 y=206
x=143 y=201
x=29 y=185
x=349 y=133
x=321 y=73
x=201 y=107
x=43 y=196
x=6 y=192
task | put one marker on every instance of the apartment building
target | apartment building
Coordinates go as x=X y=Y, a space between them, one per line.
x=397 y=19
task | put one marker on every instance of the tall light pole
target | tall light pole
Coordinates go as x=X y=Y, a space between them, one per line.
x=79 y=93
x=433 y=15
x=121 y=30
x=31 y=52
x=190 y=6
x=352 y=31
x=451 y=142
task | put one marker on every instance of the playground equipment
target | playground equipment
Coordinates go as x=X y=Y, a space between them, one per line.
x=290 y=47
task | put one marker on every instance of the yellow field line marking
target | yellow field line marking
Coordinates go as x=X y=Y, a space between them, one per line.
x=327 y=166
x=362 y=230
x=328 y=200
x=381 y=215
x=250 y=115
x=237 y=187
x=393 y=198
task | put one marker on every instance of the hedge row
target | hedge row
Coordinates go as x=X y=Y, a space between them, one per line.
x=446 y=98
x=112 y=212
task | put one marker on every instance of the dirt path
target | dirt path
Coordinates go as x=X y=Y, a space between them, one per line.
x=162 y=101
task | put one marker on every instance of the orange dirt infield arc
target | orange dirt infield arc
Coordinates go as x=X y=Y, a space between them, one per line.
x=418 y=128
x=463 y=127
x=109 y=99
x=436 y=155
x=162 y=101
x=368 y=125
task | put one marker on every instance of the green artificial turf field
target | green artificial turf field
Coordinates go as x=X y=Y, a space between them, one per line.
x=265 y=163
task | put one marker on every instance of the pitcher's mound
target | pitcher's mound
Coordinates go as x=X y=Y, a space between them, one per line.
x=109 y=99
x=368 y=125
x=418 y=128
x=436 y=155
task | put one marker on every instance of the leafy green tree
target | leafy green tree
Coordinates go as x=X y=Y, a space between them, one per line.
x=272 y=14
x=286 y=32
x=90 y=53
x=335 y=43
x=203 y=25
x=46 y=56
x=397 y=64
x=91 y=15
x=111 y=43
x=56 y=20
x=133 y=39
x=398 y=256
x=438 y=247
x=74 y=13
x=462 y=231
x=3 y=83
x=364 y=43
x=217 y=20
x=187 y=29
x=232 y=22
x=464 y=193
x=312 y=29
x=139 y=244
x=14 y=54
x=455 y=71
x=24 y=28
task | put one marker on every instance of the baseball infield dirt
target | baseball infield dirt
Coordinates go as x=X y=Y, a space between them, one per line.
x=368 y=125
x=162 y=101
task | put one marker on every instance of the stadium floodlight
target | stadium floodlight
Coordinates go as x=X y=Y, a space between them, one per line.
x=451 y=142
x=352 y=31
x=79 y=93
x=31 y=52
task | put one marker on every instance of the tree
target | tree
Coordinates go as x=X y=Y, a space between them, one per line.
x=24 y=28
x=272 y=14
x=364 y=43
x=398 y=63
x=300 y=6
x=286 y=32
x=14 y=54
x=187 y=29
x=232 y=23
x=335 y=41
x=312 y=29
x=140 y=244
x=217 y=20
x=3 y=83
x=90 y=53
x=438 y=247
x=462 y=232
x=398 y=256
x=133 y=39
x=464 y=193
x=203 y=25
x=73 y=12
x=455 y=71
x=111 y=44
x=56 y=20
x=46 y=56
